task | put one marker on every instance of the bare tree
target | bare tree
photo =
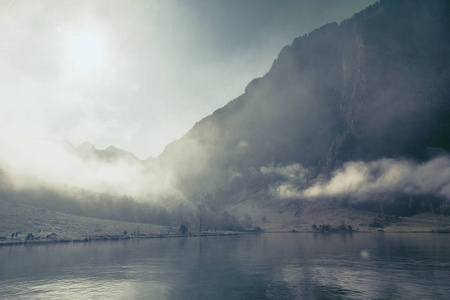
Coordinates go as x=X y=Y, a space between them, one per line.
x=201 y=213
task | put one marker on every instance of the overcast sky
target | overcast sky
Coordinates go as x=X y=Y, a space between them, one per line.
x=139 y=74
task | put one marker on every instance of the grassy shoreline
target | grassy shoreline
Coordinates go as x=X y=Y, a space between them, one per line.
x=19 y=242
x=17 y=221
x=50 y=227
x=204 y=234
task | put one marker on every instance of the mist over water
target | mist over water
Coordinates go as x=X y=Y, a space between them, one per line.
x=268 y=266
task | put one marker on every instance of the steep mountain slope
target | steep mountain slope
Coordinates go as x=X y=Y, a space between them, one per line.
x=356 y=114
x=375 y=86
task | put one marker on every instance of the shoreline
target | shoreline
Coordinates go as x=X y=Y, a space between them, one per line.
x=116 y=238
x=204 y=234
x=51 y=227
x=362 y=231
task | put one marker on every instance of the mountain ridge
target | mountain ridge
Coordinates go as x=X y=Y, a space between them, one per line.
x=350 y=117
x=371 y=87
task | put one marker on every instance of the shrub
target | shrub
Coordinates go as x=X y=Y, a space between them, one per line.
x=258 y=229
x=183 y=229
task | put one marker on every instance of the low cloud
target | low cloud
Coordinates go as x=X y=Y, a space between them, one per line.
x=29 y=161
x=363 y=179
x=293 y=172
x=385 y=176
x=291 y=179
x=287 y=191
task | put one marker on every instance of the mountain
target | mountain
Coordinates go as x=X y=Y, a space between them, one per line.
x=374 y=87
x=87 y=152
x=350 y=124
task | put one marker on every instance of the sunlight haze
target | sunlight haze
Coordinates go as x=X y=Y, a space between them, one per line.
x=139 y=74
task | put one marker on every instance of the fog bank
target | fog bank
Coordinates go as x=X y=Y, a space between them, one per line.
x=360 y=179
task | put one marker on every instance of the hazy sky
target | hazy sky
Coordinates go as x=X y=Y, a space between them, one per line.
x=139 y=74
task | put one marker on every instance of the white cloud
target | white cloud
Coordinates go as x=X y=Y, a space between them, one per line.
x=286 y=191
x=293 y=171
x=294 y=178
x=363 y=179
x=386 y=176
x=26 y=158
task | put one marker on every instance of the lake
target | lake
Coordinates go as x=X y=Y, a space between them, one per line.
x=264 y=266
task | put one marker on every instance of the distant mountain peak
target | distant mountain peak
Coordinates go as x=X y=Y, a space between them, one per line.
x=86 y=146
x=113 y=149
x=88 y=152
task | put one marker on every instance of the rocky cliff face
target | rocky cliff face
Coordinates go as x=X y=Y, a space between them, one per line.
x=396 y=88
x=375 y=86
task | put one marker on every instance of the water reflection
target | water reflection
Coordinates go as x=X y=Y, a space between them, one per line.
x=268 y=266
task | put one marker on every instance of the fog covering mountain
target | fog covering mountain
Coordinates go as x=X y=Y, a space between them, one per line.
x=359 y=110
x=356 y=113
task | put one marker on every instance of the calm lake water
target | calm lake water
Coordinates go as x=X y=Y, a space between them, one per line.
x=266 y=266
